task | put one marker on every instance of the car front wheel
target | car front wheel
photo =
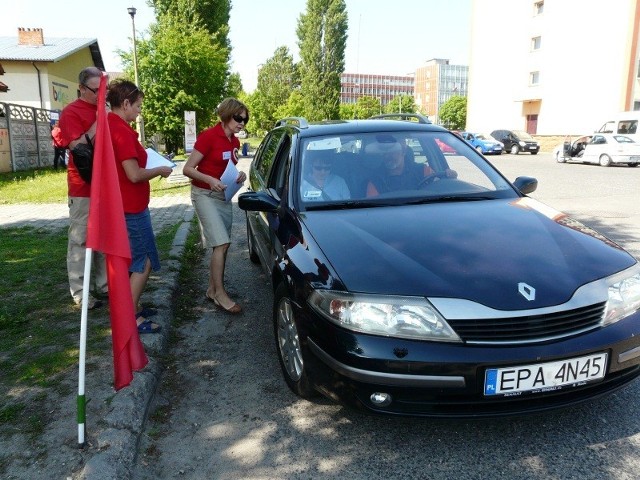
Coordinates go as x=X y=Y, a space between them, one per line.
x=515 y=149
x=560 y=158
x=288 y=345
x=605 y=160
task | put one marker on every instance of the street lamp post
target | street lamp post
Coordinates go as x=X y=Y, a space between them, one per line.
x=139 y=120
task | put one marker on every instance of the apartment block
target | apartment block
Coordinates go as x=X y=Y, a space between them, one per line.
x=436 y=82
x=552 y=67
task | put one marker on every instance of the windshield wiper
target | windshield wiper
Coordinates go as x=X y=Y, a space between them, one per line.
x=346 y=204
x=450 y=198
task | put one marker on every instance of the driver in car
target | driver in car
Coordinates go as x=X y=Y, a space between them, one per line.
x=399 y=171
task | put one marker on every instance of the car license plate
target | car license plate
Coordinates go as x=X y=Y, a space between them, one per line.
x=544 y=377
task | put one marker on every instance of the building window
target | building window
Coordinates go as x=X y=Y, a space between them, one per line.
x=535 y=43
x=534 y=78
x=538 y=8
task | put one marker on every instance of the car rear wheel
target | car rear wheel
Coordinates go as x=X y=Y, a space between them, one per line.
x=253 y=254
x=288 y=345
x=605 y=160
x=515 y=149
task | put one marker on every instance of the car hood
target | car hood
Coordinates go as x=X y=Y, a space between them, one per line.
x=479 y=251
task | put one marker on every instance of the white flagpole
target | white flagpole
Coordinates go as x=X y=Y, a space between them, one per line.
x=83 y=348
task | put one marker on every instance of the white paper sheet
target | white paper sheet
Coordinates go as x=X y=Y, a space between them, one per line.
x=229 y=178
x=154 y=159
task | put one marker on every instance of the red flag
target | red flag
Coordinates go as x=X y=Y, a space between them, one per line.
x=107 y=233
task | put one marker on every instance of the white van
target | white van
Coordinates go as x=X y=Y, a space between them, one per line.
x=625 y=123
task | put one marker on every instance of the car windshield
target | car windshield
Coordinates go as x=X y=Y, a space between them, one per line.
x=523 y=135
x=367 y=169
x=487 y=138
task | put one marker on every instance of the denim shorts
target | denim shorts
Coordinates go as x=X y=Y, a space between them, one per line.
x=142 y=241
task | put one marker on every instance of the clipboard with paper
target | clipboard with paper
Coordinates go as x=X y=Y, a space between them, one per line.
x=154 y=159
x=229 y=177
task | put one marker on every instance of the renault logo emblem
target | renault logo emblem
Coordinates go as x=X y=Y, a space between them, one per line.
x=527 y=291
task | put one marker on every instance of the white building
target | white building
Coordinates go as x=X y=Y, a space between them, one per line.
x=552 y=67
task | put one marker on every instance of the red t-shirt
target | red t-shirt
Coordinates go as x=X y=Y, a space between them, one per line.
x=135 y=196
x=75 y=119
x=216 y=150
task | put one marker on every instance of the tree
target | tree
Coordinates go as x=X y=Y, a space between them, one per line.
x=213 y=15
x=401 y=104
x=367 y=107
x=233 y=88
x=347 y=111
x=293 y=108
x=179 y=69
x=453 y=113
x=322 y=37
x=276 y=80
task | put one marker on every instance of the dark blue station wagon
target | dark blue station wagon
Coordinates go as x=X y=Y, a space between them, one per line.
x=411 y=277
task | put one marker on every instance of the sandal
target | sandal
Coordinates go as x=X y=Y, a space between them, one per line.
x=149 y=327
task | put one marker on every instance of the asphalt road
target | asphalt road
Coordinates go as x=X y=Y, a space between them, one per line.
x=224 y=412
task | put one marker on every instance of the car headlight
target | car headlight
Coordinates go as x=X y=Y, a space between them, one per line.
x=391 y=316
x=624 y=298
x=522 y=144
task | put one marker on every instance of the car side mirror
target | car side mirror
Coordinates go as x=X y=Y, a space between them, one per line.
x=526 y=185
x=258 y=202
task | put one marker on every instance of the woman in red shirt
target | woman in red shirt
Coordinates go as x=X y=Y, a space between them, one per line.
x=125 y=100
x=215 y=147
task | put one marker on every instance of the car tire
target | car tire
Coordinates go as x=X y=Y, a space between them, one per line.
x=515 y=149
x=605 y=160
x=251 y=246
x=288 y=345
x=479 y=149
x=534 y=153
x=560 y=158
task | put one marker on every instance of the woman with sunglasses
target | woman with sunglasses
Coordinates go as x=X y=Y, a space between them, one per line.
x=320 y=184
x=125 y=100
x=215 y=147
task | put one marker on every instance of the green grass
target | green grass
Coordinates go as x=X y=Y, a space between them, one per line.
x=45 y=185
x=39 y=324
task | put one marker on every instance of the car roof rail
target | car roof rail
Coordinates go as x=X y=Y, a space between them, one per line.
x=411 y=117
x=300 y=122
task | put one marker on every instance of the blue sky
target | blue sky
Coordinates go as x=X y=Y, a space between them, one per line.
x=381 y=39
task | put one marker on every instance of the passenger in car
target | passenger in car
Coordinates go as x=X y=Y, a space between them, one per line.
x=319 y=184
x=397 y=171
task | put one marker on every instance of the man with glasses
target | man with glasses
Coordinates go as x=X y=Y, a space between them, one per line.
x=78 y=125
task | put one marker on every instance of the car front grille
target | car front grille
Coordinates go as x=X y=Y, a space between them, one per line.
x=530 y=328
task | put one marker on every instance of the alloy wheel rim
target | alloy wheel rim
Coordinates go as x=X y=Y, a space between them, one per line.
x=288 y=342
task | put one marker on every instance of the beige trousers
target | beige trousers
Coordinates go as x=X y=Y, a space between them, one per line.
x=76 y=252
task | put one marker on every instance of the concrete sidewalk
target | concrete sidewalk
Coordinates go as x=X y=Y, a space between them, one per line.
x=165 y=211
